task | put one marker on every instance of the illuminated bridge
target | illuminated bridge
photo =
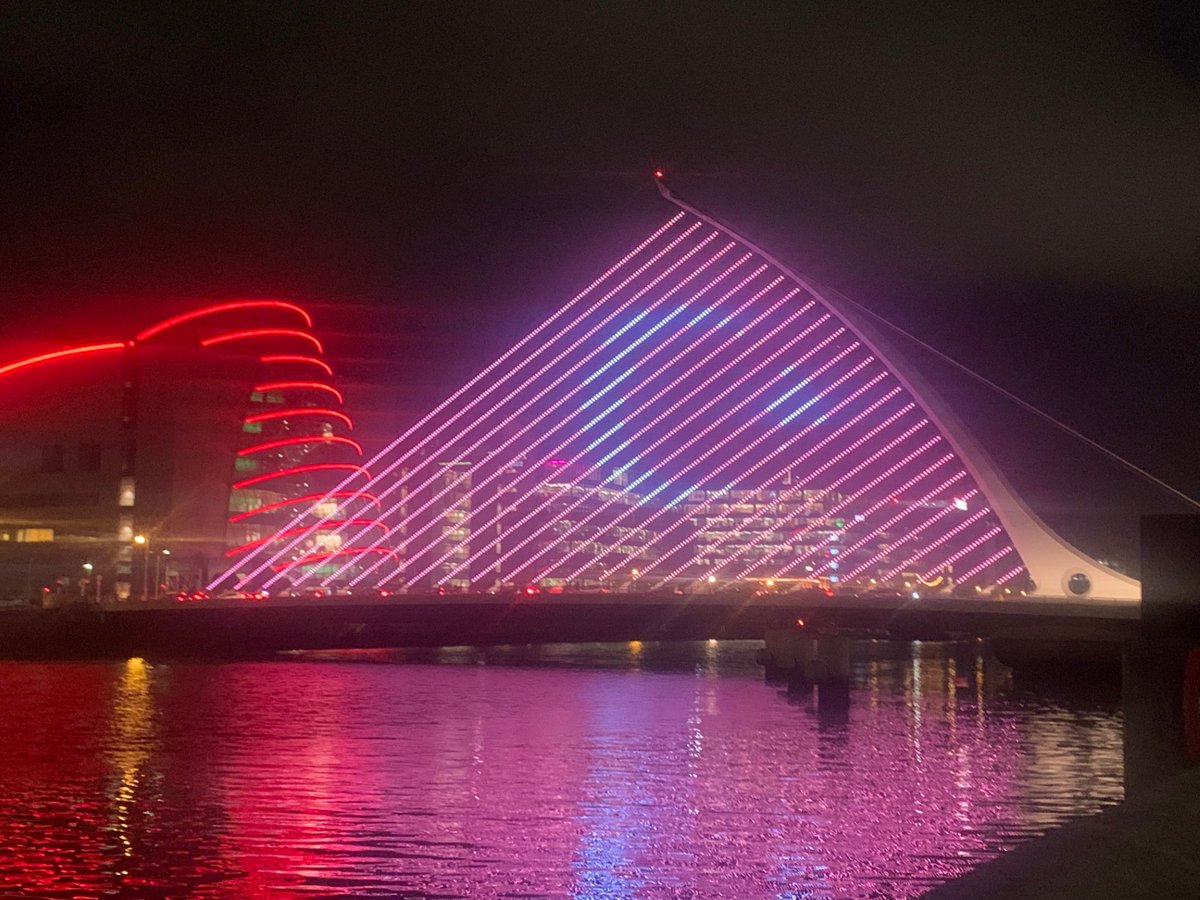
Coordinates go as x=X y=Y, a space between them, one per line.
x=698 y=418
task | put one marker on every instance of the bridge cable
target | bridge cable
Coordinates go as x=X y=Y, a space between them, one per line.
x=1024 y=404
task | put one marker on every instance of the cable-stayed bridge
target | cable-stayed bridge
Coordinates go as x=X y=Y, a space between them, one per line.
x=699 y=417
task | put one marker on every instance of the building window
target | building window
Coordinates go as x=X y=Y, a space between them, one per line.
x=34 y=535
x=252 y=427
x=126 y=493
x=53 y=458
x=245 y=465
x=89 y=457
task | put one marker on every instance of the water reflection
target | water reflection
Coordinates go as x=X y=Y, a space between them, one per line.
x=636 y=770
x=131 y=742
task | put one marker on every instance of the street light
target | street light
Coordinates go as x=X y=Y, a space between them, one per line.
x=157 y=578
x=142 y=541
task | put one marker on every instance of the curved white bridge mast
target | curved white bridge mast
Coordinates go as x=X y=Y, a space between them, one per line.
x=1056 y=568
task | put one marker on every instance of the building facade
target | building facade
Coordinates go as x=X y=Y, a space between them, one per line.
x=156 y=462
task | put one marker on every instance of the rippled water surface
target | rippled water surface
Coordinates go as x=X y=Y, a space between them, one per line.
x=595 y=771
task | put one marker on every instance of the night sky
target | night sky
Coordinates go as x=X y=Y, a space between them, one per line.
x=1016 y=183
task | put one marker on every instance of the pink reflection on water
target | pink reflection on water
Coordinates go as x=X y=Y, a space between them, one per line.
x=588 y=772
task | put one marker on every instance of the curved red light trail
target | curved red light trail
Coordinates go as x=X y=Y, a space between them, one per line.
x=297 y=470
x=220 y=308
x=368 y=523
x=60 y=354
x=262 y=332
x=297 y=358
x=300 y=411
x=318 y=557
x=307 y=498
x=297 y=441
x=302 y=386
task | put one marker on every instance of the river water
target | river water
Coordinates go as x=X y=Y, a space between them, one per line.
x=598 y=771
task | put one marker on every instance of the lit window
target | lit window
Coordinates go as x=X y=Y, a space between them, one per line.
x=256 y=397
x=126 y=493
x=34 y=535
x=244 y=465
x=252 y=427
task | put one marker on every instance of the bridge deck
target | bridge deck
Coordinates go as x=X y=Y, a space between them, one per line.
x=241 y=627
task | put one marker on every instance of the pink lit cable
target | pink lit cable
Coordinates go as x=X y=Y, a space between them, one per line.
x=562 y=400
x=802 y=384
x=933 y=545
x=865 y=513
x=278 y=534
x=762 y=364
x=745 y=473
x=495 y=386
x=838 y=482
x=907 y=510
x=676 y=429
x=964 y=551
x=1010 y=575
x=910 y=535
x=516 y=348
x=870 y=511
x=805 y=481
x=313 y=558
x=742 y=476
x=543 y=369
x=802 y=483
x=987 y=563
x=654 y=422
x=661 y=417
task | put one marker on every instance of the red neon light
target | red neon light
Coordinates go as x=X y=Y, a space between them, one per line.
x=307 y=498
x=294 y=441
x=287 y=357
x=296 y=470
x=369 y=523
x=262 y=332
x=301 y=385
x=318 y=557
x=58 y=354
x=300 y=411
x=220 y=308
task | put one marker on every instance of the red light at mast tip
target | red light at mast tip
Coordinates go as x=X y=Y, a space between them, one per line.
x=659 y=174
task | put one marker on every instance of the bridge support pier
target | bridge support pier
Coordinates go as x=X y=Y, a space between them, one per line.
x=806 y=660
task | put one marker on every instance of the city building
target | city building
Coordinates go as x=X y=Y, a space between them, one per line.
x=156 y=462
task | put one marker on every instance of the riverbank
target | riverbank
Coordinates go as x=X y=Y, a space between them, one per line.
x=1147 y=848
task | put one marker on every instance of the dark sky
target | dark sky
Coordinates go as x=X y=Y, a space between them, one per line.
x=1015 y=182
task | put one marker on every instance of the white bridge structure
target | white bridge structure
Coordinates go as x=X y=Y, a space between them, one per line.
x=699 y=414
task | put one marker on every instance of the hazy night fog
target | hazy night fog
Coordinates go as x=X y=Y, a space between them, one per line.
x=1015 y=183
